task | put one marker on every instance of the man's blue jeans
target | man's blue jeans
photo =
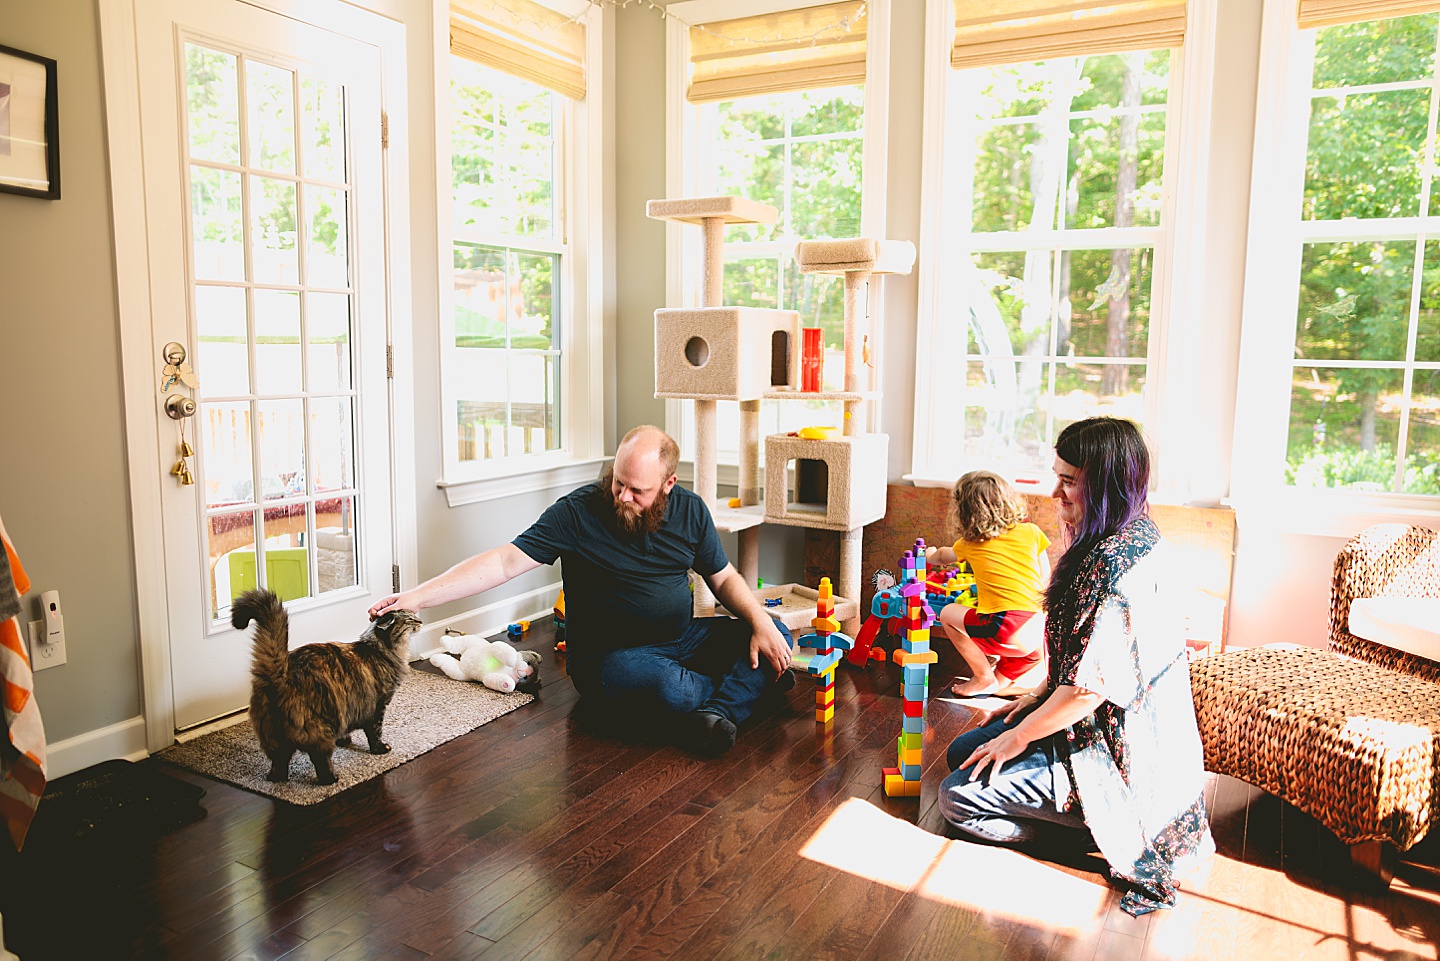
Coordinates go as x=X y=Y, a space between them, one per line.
x=1003 y=807
x=706 y=668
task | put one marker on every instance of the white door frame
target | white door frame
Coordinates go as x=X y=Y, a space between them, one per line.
x=133 y=291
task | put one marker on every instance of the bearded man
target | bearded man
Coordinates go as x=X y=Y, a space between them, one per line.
x=628 y=543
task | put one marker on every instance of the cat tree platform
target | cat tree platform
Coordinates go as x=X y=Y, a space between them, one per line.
x=697 y=210
x=797 y=606
x=858 y=254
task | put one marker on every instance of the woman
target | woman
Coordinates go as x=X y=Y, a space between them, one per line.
x=1108 y=742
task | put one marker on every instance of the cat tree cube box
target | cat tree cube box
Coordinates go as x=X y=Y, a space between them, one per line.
x=839 y=482
x=725 y=353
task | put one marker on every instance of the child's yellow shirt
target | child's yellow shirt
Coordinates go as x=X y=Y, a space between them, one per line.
x=1007 y=568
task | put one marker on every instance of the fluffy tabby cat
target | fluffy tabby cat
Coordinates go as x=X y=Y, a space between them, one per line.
x=311 y=698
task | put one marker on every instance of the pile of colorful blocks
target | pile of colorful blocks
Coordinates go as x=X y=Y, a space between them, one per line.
x=828 y=644
x=914 y=657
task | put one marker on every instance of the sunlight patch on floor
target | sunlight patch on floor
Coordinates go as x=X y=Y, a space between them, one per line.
x=863 y=840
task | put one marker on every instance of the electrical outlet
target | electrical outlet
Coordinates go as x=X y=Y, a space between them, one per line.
x=44 y=655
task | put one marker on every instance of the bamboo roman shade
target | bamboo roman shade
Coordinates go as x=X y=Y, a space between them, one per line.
x=790 y=50
x=523 y=39
x=1327 y=13
x=990 y=32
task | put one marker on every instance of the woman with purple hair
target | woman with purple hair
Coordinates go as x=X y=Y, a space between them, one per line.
x=1107 y=744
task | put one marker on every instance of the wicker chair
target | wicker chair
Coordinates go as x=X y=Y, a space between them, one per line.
x=1350 y=736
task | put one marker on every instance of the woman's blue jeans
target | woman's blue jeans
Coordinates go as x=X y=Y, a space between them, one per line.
x=1003 y=807
x=705 y=669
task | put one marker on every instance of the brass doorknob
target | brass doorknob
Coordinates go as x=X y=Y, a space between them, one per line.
x=179 y=407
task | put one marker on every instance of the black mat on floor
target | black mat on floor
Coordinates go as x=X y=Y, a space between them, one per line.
x=113 y=802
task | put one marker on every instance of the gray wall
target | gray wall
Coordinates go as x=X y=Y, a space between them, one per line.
x=64 y=491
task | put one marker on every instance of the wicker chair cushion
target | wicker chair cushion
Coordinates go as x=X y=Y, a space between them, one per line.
x=1410 y=624
x=1351 y=743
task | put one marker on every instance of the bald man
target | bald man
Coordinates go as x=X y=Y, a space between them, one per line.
x=628 y=543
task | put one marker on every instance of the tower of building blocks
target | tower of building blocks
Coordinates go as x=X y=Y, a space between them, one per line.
x=914 y=657
x=828 y=643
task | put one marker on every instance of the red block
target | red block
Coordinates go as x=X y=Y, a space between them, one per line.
x=914 y=708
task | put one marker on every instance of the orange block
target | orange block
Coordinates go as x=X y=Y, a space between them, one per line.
x=905 y=659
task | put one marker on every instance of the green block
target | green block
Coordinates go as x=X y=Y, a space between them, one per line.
x=909 y=742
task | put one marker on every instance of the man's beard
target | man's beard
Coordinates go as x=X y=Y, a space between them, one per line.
x=630 y=520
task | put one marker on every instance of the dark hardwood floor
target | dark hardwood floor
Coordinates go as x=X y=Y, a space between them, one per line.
x=536 y=837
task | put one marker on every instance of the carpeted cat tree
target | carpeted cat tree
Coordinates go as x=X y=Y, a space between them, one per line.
x=712 y=352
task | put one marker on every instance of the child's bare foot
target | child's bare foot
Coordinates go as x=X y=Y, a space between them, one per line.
x=975 y=686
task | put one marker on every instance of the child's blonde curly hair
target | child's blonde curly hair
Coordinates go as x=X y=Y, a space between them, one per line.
x=983 y=506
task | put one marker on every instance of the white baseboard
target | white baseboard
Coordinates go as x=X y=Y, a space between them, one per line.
x=486 y=620
x=124 y=740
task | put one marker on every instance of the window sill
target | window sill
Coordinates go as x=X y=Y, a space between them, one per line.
x=568 y=475
x=1331 y=513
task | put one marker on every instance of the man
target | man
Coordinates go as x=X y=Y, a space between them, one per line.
x=628 y=542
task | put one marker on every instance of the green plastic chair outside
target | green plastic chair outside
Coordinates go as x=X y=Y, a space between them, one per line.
x=287 y=572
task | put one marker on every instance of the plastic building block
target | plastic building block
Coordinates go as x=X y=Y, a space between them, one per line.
x=913 y=708
x=774 y=601
x=905 y=658
x=518 y=628
x=912 y=725
x=828 y=714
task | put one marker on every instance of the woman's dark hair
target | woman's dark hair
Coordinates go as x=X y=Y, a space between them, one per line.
x=1114 y=466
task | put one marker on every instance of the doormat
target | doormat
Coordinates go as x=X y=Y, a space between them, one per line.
x=113 y=802
x=427 y=711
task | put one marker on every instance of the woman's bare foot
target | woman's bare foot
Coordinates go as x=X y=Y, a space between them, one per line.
x=975 y=687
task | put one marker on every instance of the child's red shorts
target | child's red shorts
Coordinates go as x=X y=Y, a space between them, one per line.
x=994 y=634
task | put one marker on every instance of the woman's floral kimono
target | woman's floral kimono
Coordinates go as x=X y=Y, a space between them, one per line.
x=1135 y=764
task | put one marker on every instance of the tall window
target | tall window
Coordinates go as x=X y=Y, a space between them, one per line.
x=1365 y=368
x=1057 y=167
x=800 y=152
x=508 y=253
x=775 y=111
x=521 y=329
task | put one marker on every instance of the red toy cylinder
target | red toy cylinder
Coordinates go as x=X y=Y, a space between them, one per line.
x=811 y=357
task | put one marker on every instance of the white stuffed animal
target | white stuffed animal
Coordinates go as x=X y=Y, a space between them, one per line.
x=495 y=664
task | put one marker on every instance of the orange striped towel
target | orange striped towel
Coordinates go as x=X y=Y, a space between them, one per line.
x=22 y=771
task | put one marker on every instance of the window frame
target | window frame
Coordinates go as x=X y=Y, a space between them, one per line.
x=581 y=169
x=683 y=266
x=1177 y=283
x=1272 y=290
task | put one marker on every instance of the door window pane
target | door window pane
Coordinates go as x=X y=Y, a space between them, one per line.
x=270 y=96
x=322 y=109
x=231 y=550
x=277 y=342
x=272 y=225
x=225 y=453
x=335 y=544
x=215 y=223
x=282 y=448
x=222 y=341
x=332 y=443
x=327 y=330
x=212 y=104
x=326 y=261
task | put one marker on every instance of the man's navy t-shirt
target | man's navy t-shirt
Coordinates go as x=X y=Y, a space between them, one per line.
x=625 y=590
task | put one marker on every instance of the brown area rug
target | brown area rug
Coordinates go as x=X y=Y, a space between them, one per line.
x=427 y=711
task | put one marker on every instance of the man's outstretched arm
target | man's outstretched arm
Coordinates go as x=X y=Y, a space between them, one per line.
x=473 y=575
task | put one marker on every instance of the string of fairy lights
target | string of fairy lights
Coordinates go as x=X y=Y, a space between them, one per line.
x=839 y=28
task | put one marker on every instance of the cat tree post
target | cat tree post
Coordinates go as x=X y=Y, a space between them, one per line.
x=749 y=538
x=854 y=282
x=850 y=542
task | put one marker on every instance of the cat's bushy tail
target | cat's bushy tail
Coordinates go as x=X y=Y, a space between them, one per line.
x=270 y=657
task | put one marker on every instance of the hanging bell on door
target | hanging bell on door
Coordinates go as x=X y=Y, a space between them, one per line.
x=187 y=479
x=186 y=450
x=179 y=469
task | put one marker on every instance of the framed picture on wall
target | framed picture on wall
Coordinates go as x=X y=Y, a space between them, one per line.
x=29 y=125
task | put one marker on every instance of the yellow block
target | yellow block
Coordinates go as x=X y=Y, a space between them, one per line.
x=827 y=714
x=905 y=659
x=896 y=786
x=911 y=756
x=920 y=634
x=828 y=624
x=825 y=698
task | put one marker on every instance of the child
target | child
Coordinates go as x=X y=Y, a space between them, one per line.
x=1011 y=569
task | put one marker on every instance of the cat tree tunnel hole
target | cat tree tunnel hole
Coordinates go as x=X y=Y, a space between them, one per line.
x=780 y=348
x=812 y=487
x=697 y=351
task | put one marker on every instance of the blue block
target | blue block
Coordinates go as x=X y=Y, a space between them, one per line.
x=918 y=675
x=914 y=647
x=810 y=640
x=912 y=725
x=913 y=692
x=841 y=642
x=910 y=772
x=821 y=663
